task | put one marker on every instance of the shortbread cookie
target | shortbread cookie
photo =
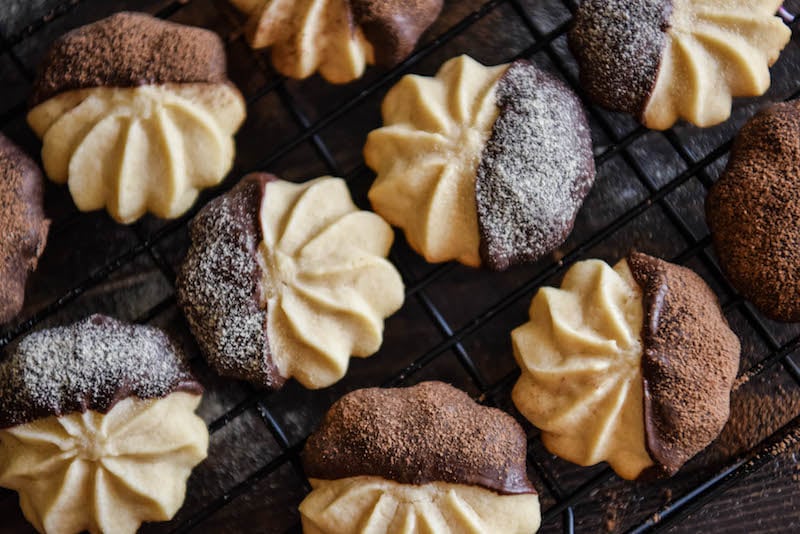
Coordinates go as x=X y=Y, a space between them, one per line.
x=632 y=365
x=288 y=280
x=338 y=38
x=483 y=165
x=97 y=427
x=136 y=115
x=23 y=223
x=754 y=212
x=665 y=60
x=421 y=459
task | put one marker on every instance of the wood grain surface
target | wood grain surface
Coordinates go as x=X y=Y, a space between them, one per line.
x=93 y=265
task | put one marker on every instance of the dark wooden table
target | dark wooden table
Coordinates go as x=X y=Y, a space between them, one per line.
x=649 y=194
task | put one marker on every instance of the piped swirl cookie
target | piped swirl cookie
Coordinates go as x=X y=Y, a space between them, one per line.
x=136 y=115
x=97 y=427
x=754 y=212
x=338 y=38
x=420 y=459
x=482 y=165
x=632 y=365
x=23 y=223
x=288 y=280
x=665 y=60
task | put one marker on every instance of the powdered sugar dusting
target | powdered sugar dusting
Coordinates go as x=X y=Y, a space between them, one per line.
x=90 y=365
x=619 y=45
x=536 y=169
x=219 y=286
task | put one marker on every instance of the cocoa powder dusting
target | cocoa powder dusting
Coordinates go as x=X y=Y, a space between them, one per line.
x=23 y=223
x=754 y=212
x=689 y=364
x=432 y=432
x=128 y=50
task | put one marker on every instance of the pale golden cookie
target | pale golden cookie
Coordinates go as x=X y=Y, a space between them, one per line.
x=631 y=365
x=665 y=60
x=132 y=129
x=287 y=281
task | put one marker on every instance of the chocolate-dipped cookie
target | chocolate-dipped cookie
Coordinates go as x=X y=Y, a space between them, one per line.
x=136 y=115
x=97 y=427
x=632 y=365
x=288 y=280
x=754 y=212
x=338 y=38
x=483 y=165
x=426 y=455
x=23 y=223
x=665 y=60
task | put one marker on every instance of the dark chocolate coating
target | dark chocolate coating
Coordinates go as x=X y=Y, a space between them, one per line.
x=754 y=212
x=536 y=169
x=219 y=285
x=394 y=26
x=689 y=363
x=432 y=432
x=23 y=223
x=129 y=50
x=91 y=365
x=619 y=45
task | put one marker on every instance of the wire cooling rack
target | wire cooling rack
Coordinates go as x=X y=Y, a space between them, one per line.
x=455 y=323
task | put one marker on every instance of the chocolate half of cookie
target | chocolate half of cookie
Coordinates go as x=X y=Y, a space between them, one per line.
x=23 y=223
x=428 y=433
x=219 y=285
x=394 y=26
x=619 y=45
x=689 y=362
x=536 y=169
x=754 y=212
x=91 y=365
x=129 y=50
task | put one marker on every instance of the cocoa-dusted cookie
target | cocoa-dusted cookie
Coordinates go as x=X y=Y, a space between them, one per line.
x=754 y=212
x=665 y=60
x=483 y=165
x=427 y=454
x=288 y=280
x=97 y=426
x=24 y=225
x=136 y=115
x=632 y=365
x=338 y=38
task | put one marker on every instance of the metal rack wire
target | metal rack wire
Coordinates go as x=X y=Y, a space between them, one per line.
x=453 y=340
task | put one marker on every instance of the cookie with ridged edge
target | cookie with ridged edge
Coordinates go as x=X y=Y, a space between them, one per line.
x=136 y=115
x=338 y=38
x=665 y=60
x=632 y=365
x=24 y=225
x=420 y=448
x=97 y=426
x=287 y=280
x=487 y=166
x=754 y=212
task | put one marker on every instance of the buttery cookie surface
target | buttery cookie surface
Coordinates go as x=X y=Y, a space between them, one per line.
x=288 y=280
x=97 y=427
x=420 y=459
x=632 y=365
x=338 y=38
x=23 y=223
x=482 y=165
x=665 y=60
x=754 y=212
x=136 y=115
